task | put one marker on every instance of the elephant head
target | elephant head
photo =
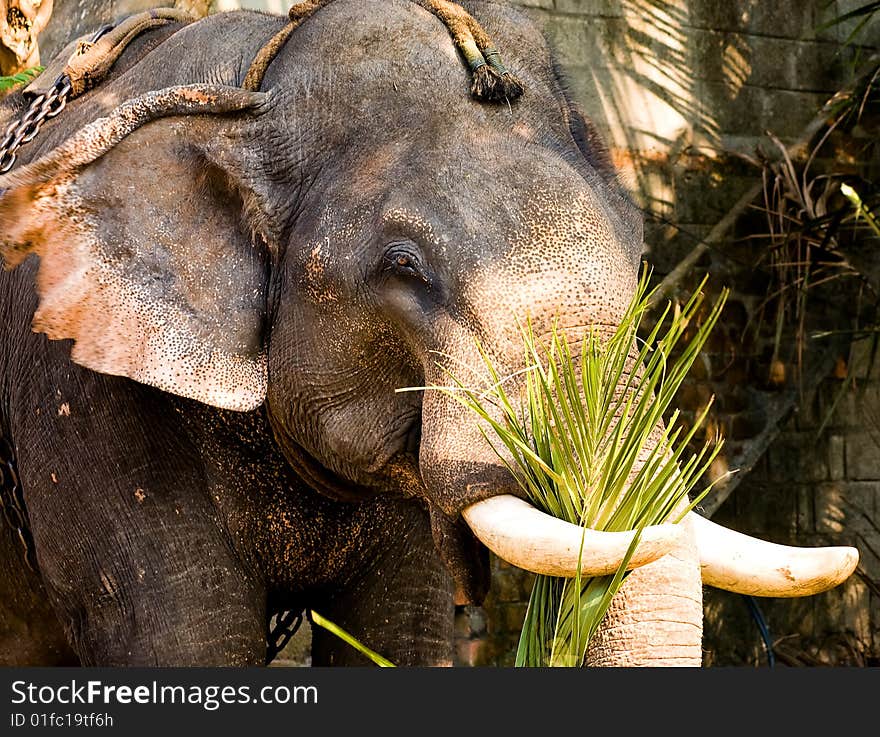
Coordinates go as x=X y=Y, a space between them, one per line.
x=20 y=24
x=350 y=229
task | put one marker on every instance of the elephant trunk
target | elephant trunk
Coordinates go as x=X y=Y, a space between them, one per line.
x=656 y=619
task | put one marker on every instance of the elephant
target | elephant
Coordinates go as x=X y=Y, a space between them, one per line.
x=216 y=283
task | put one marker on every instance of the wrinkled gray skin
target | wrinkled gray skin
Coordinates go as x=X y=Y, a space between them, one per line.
x=367 y=221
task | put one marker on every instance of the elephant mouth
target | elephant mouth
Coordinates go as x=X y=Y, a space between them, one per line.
x=524 y=536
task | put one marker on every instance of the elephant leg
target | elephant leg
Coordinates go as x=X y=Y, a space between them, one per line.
x=30 y=633
x=134 y=559
x=400 y=604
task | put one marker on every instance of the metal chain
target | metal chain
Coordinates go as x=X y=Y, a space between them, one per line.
x=26 y=128
x=12 y=503
x=42 y=108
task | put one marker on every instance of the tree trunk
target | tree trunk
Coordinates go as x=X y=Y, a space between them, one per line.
x=20 y=25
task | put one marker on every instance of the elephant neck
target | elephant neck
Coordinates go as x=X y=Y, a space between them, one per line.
x=286 y=532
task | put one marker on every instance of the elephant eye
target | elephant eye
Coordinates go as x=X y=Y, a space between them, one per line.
x=402 y=259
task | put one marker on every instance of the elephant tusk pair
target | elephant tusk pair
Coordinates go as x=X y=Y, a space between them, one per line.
x=524 y=536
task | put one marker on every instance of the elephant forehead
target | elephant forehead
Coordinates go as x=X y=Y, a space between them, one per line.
x=571 y=229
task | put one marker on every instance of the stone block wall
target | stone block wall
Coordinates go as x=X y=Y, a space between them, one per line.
x=818 y=484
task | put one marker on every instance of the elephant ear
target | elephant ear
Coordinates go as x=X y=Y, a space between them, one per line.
x=145 y=259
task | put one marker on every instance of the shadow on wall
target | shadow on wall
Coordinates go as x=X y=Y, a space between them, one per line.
x=678 y=85
x=634 y=74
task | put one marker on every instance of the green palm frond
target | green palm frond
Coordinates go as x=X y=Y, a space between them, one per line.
x=23 y=77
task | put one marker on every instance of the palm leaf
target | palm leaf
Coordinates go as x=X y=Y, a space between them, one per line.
x=23 y=77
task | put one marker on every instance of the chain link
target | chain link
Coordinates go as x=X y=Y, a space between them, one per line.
x=12 y=503
x=25 y=129
x=42 y=108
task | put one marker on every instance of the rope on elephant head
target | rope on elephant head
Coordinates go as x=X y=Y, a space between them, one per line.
x=491 y=81
x=296 y=15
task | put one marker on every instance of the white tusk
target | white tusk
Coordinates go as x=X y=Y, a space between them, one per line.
x=528 y=538
x=735 y=562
